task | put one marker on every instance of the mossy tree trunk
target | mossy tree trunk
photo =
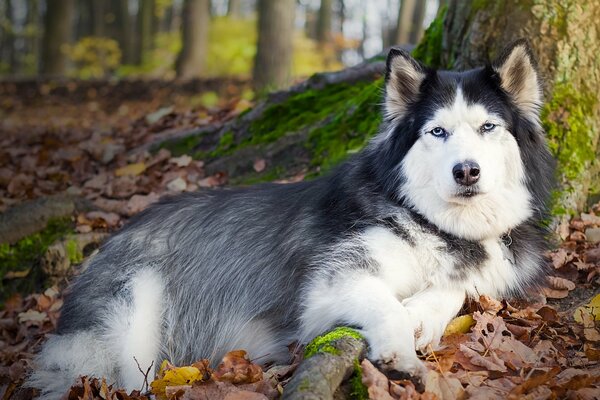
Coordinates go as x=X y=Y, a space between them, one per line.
x=317 y=124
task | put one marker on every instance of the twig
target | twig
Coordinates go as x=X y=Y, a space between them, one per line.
x=145 y=383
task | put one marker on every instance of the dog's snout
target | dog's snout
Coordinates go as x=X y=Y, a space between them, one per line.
x=466 y=173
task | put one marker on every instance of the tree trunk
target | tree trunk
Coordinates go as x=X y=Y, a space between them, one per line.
x=98 y=11
x=273 y=62
x=125 y=31
x=195 y=17
x=145 y=38
x=33 y=36
x=57 y=34
x=324 y=22
x=234 y=8
x=405 y=21
x=416 y=31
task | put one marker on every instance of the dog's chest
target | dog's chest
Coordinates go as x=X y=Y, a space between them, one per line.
x=413 y=259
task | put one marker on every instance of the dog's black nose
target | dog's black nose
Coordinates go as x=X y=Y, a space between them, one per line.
x=466 y=173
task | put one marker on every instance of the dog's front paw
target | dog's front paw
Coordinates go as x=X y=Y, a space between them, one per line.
x=429 y=327
x=397 y=361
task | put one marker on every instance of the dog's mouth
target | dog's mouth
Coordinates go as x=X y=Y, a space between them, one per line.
x=467 y=192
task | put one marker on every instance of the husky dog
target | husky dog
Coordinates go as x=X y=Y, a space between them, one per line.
x=446 y=202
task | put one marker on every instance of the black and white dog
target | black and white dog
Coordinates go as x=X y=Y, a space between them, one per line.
x=444 y=203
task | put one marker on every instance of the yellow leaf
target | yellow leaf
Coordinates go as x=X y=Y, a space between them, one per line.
x=174 y=377
x=593 y=308
x=460 y=324
x=131 y=169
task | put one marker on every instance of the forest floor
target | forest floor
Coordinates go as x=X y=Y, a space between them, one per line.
x=83 y=139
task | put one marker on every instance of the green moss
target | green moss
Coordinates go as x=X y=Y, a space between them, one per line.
x=324 y=343
x=358 y=390
x=429 y=49
x=568 y=120
x=26 y=253
x=73 y=251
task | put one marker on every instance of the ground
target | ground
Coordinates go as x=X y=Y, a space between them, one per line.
x=88 y=140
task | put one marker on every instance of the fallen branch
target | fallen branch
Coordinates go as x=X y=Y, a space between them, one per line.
x=320 y=375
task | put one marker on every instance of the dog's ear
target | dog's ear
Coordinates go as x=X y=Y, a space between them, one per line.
x=517 y=69
x=403 y=78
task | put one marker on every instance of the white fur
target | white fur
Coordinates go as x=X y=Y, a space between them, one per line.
x=430 y=187
x=138 y=340
x=66 y=357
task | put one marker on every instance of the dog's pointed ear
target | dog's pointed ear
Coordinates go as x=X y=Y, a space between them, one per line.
x=517 y=69
x=403 y=78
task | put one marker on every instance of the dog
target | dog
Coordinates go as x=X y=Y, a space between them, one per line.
x=448 y=201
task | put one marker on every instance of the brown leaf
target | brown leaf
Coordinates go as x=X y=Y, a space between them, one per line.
x=489 y=304
x=444 y=387
x=554 y=282
x=237 y=368
x=376 y=382
x=260 y=165
x=534 y=380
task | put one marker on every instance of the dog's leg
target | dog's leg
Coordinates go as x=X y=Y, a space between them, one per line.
x=430 y=311
x=367 y=302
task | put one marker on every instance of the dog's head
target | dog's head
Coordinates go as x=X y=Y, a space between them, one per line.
x=466 y=149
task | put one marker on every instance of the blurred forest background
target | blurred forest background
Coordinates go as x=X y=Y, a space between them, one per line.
x=271 y=41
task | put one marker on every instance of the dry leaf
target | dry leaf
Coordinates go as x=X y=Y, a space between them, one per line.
x=376 y=382
x=131 y=169
x=460 y=324
x=490 y=305
x=260 y=165
x=237 y=368
x=444 y=387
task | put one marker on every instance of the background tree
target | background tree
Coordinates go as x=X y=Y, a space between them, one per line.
x=324 y=22
x=273 y=62
x=234 y=8
x=57 y=33
x=196 y=19
x=405 y=21
x=145 y=30
x=416 y=30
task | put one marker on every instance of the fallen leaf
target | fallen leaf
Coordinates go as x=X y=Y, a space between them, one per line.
x=593 y=308
x=237 y=368
x=376 y=382
x=460 y=324
x=131 y=169
x=260 y=165
x=181 y=161
x=444 y=387
x=489 y=304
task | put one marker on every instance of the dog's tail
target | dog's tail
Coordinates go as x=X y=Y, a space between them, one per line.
x=64 y=358
x=126 y=340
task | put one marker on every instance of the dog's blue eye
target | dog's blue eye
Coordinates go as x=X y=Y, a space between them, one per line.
x=488 y=126
x=438 y=132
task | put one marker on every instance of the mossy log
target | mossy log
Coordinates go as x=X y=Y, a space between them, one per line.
x=329 y=360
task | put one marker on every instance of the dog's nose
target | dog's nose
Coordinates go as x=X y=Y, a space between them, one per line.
x=466 y=173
